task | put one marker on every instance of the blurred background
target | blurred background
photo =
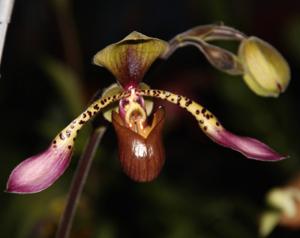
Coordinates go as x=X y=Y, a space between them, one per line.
x=204 y=190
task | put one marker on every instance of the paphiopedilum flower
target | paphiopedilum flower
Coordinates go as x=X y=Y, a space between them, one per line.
x=141 y=151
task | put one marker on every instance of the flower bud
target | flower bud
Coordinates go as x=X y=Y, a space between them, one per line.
x=266 y=72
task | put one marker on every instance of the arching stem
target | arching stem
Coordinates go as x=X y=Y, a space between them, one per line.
x=78 y=182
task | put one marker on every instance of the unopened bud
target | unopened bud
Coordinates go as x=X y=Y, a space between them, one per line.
x=266 y=72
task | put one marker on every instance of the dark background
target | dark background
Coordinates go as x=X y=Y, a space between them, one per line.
x=204 y=190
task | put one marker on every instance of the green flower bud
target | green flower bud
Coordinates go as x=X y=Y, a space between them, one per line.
x=266 y=72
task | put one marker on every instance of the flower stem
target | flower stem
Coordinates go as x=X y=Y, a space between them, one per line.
x=78 y=182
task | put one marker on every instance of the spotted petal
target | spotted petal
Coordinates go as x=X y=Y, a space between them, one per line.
x=210 y=125
x=41 y=171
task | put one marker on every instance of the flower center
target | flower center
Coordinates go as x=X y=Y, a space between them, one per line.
x=132 y=110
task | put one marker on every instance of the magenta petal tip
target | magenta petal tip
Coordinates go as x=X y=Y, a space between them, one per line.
x=39 y=171
x=249 y=147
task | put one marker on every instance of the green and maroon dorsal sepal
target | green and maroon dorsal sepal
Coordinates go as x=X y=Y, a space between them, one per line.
x=129 y=59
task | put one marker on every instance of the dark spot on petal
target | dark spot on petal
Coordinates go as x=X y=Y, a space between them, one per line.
x=205 y=128
x=188 y=102
x=69 y=147
x=68 y=133
x=84 y=115
x=203 y=110
x=217 y=123
x=90 y=113
x=178 y=100
x=81 y=122
x=61 y=136
x=96 y=107
x=197 y=112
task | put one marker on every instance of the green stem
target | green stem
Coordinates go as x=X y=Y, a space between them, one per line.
x=78 y=182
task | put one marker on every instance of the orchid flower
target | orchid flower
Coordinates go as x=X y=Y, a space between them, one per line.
x=128 y=106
